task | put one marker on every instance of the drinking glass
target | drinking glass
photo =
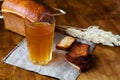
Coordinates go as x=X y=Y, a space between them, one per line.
x=39 y=37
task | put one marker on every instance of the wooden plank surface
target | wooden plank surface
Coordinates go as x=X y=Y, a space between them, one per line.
x=80 y=13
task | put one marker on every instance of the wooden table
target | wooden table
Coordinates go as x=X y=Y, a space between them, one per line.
x=80 y=13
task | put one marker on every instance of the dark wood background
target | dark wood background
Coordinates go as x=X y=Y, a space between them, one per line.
x=80 y=13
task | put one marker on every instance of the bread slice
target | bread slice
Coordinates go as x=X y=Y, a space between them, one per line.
x=65 y=43
x=79 y=57
x=79 y=49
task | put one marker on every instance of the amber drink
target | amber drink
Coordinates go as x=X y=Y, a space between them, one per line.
x=39 y=36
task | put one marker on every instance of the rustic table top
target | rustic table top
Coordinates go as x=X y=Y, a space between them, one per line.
x=80 y=13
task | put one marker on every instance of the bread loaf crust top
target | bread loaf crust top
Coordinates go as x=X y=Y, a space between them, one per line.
x=24 y=8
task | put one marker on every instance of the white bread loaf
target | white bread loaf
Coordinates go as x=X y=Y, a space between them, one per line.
x=14 y=12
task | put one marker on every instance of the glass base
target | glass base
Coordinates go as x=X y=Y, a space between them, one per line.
x=39 y=63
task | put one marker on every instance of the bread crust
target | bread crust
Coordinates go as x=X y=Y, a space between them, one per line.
x=24 y=8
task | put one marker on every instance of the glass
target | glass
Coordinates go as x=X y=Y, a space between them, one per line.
x=39 y=36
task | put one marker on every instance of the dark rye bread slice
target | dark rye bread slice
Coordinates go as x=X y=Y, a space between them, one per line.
x=79 y=57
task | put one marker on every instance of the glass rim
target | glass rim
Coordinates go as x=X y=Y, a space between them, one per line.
x=28 y=22
x=36 y=18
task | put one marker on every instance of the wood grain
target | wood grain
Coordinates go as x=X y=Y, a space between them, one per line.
x=80 y=13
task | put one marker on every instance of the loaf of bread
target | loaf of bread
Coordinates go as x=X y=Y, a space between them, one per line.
x=14 y=12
